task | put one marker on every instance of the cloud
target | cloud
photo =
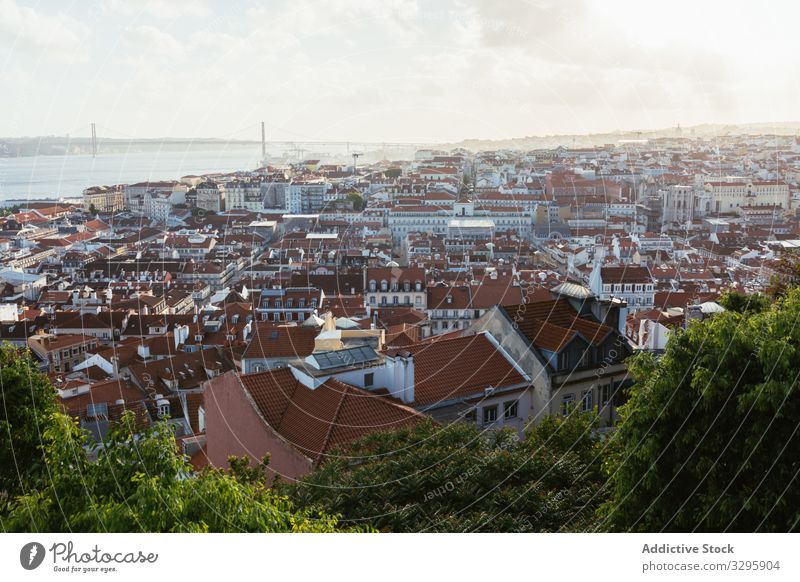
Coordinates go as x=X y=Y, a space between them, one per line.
x=151 y=42
x=24 y=28
x=161 y=9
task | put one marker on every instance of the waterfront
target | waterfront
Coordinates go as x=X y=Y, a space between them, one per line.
x=37 y=177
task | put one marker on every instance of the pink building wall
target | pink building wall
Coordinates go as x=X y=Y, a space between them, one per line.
x=234 y=426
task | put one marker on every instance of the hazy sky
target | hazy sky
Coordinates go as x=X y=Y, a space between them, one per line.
x=393 y=70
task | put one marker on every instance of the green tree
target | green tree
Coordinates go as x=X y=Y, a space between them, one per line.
x=27 y=398
x=741 y=303
x=458 y=479
x=139 y=483
x=357 y=200
x=709 y=439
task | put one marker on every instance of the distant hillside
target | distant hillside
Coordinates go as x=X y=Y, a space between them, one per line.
x=595 y=139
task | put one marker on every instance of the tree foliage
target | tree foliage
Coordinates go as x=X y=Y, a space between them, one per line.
x=357 y=200
x=26 y=398
x=709 y=439
x=139 y=483
x=741 y=303
x=457 y=479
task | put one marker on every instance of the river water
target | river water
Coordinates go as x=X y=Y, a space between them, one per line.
x=29 y=178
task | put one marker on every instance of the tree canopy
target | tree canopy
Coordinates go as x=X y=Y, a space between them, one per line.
x=357 y=200
x=140 y=483
x=458 y=479
x=52 y=478
x=26 y=399
x=709 y=439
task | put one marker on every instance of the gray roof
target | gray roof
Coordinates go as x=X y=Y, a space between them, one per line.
x=575 y=290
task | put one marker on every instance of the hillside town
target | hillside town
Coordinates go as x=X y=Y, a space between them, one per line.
x=291 y=309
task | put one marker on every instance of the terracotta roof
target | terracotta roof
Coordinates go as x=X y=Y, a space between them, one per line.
x=104 y=392
x=626 y=274
x=315 y=421
x=274 y=341
x=459 y=297
x=552 y=324
x=458 y=367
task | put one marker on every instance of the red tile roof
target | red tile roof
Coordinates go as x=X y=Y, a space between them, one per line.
x=315 y=421
x=552 y=324
x=458 y=367
x=273 y=341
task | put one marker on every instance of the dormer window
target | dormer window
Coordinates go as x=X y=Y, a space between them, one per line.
x=372 y=286
x=406 y=286
x=418 y=286
x=384 y=285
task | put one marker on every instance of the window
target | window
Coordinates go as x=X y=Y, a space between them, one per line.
x=618 y=288
x=563 y=361
x=372 y=286
x=384 y=285
x=510 y=409
x=489 y=414
x=605 y=394
x=587 y=400
x=372 y=300
x=607 y=288
x=369 y=379
x=567 y=403
x=289 y=303
x=418 y=300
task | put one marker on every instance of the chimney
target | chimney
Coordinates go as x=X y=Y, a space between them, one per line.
x=143 y=351
x=408 y=384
